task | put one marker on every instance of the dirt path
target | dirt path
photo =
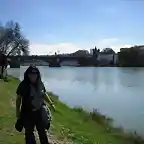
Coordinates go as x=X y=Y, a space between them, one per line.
x=52 y=138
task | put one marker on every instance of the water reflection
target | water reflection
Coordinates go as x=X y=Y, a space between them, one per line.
x=131 y=77
x=116 y=92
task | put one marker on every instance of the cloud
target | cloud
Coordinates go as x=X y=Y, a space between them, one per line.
x=117 y=47
x=46 y=49
x=113 y=43
x=107 y=42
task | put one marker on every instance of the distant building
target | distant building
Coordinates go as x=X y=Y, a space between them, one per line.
x=91 y=51
x=116 y=58
x=107 y=58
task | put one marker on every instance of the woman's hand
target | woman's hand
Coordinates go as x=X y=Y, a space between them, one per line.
x=18 y=104
x=53 y=106
x=17 y=114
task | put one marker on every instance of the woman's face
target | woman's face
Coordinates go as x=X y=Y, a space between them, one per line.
x=32 y=77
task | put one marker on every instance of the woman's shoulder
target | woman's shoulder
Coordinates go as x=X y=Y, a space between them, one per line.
x=42 y=85
x=22 y=84
x=21 y=87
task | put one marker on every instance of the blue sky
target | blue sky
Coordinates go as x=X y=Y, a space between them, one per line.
x=69 y=25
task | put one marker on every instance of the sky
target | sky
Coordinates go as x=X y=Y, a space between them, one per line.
x=66 y=26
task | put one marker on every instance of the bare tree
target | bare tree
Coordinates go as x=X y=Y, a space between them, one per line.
x=12 y=42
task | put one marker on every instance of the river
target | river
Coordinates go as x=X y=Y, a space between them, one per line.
x=116 y=92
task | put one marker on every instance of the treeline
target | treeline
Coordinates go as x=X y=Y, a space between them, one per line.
x=131 y=57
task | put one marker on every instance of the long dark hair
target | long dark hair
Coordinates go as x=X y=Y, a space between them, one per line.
x=32 y=69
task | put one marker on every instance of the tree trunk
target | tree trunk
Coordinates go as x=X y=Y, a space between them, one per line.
x=3 y=63
x=0 y=72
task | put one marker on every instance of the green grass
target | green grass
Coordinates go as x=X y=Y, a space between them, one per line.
x=73 y=125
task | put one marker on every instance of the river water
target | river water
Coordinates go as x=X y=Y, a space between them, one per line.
x=116 y=92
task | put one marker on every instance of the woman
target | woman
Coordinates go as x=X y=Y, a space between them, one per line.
x=31 y=95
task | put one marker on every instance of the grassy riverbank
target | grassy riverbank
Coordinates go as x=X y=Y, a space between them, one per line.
x=68 y=125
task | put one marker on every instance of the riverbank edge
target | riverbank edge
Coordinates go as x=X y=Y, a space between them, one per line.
x=104 y=121
x=90 y=117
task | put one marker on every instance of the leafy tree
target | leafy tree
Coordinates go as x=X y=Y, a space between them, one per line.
x=131 y=57
x=108 y=51
x=81 y=53
x=12 y=42
x=95 y=52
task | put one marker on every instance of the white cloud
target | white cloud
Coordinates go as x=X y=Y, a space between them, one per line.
x=108 y=40
x=117 y=47
x=113 y=43
x=47 y=49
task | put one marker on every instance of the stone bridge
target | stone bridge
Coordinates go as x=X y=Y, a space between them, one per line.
x=54 y=61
